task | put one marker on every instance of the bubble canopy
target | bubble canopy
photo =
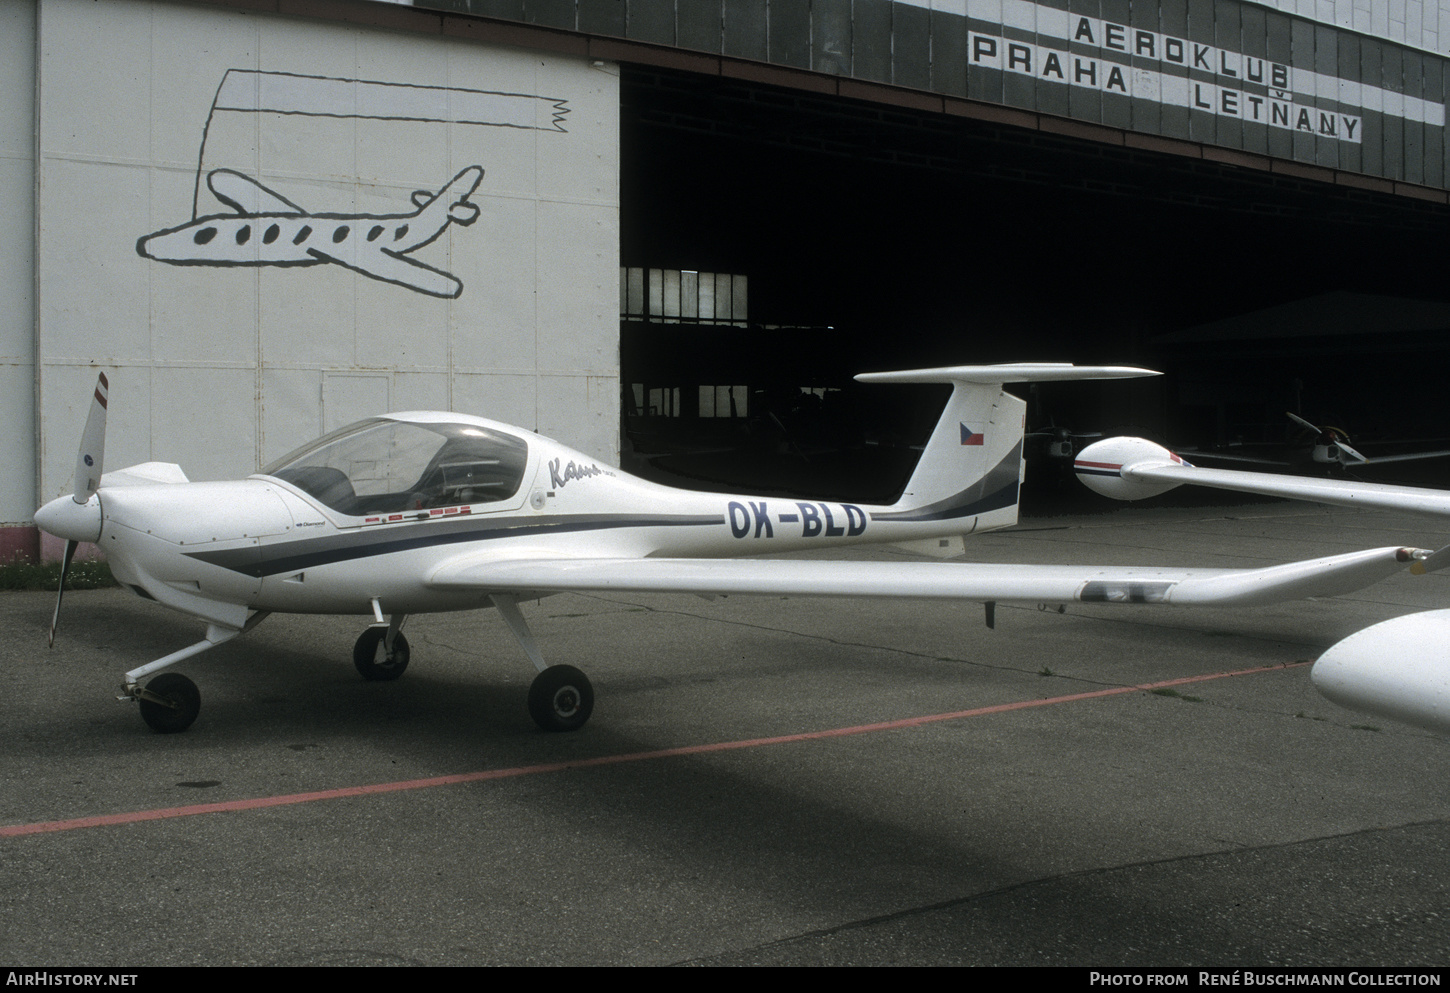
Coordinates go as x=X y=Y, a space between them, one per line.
x=388 y=466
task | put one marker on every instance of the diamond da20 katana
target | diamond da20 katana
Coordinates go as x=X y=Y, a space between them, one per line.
x=433 y=511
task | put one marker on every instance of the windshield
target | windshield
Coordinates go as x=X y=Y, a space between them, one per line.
x=383 y=466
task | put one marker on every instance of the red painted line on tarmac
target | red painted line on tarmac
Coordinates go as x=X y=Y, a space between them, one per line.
x=258 y=803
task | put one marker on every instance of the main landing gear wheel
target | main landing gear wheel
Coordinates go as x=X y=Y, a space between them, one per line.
x=373 y=659
x=183 y=703
x=561 y=698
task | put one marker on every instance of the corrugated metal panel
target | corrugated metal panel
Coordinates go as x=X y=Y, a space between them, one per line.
x=1229 y=104
x=652 y=21
x=790 y=34
x=550 y=13
x=1392 y=76
x=1117 y=43
x=1019 y=38
x=1050 y=30
x=605 y=17
x=1086 y=73
x=1413 y=75
x=1202 y=125
x=1434 y=94
x=871 y=40
x=1174 y=89
x=948 y=53
x=744 y=29
x=1351 y=97
x=1371 y=74
x=1281 y=52
x=909 y=45
x=1326 y=101
x=512 y=10
x=699 y=25
x=984 y=52
x=830 y=37
x=1254 y=34
x=1302 y=49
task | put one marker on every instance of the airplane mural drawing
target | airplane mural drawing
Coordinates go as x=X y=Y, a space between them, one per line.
x=266 y=229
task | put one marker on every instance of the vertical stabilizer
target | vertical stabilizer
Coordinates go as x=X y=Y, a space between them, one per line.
x=971 y=468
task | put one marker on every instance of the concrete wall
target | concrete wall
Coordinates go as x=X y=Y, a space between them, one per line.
x=180 y=148
x=17 y=278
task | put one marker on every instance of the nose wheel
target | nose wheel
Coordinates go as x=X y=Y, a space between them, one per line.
x=169 y=703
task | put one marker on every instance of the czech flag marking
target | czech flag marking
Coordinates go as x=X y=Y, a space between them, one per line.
x=970 y=437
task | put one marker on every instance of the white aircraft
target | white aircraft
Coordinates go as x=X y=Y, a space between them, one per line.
x=430 y=511
x=268 y=229
x=1399 y=668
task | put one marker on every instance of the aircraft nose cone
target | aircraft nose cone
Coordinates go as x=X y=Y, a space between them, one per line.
x=65 y=518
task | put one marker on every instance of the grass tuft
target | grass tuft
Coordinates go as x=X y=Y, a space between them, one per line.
x=82 y=576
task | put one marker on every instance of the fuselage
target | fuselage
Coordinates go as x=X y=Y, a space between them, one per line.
x=269 y=543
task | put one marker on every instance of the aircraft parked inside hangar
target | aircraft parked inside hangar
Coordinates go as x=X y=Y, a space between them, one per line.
x=1330 y=446
x=1398 y=668
x=433 y=511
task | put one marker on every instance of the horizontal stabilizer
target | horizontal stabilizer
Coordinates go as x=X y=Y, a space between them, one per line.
x=1007 y=372
x=1329 y=576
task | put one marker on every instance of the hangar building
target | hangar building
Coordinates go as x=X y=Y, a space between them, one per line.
x=671 y=230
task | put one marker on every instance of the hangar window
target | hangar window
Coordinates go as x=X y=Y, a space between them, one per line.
x=683 y=296
x=662 y=401
x=724 y=401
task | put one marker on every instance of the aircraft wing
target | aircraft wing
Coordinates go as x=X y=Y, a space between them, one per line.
x=1134 y=468
x=1341 y=492
x=1328 y=576
x=1408 y=457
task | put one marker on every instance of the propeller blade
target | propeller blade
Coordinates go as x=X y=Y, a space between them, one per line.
x=1353 y=455
x=70 y=550
x=1303 y=423
x=93 y=445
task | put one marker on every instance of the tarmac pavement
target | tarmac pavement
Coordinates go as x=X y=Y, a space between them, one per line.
x=730 y=801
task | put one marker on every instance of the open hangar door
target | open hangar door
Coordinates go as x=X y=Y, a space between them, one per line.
x=774 y=243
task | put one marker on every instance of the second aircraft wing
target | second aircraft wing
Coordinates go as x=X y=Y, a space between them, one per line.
x=1328 y=576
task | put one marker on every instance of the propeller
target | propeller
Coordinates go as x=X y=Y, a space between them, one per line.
x=77 y=519
x=93 y=445
x=1331 y=438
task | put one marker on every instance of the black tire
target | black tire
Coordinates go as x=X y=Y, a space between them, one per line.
x=181 y=693
x=374 y=661
x=561 y=698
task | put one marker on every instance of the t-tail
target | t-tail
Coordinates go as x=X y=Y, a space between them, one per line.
x=971 y=469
